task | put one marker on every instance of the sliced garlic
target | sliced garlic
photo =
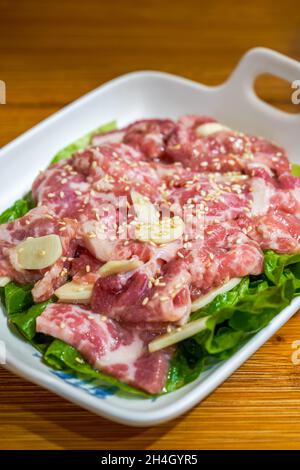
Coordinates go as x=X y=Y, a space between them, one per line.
x=119 y=266
x=165 y=231
x=210 y=296
x=74 y=292
x=40 y=252
x=210 y=128
x=4 y=280
x=146 y=212
x=178 y=334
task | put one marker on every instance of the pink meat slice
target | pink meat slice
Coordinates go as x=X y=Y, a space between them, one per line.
x=84 y=267
x=62 y=189
x=222 y=197
x=118 y=169
x=132 y=298
x=288 y=181
x=78 y=186
x=38 y=222
x=225 y=252
x=276 y=230
x=120 y=351
x=148 y=136
x=123 y=296
x=224 y=150
x=273 y=221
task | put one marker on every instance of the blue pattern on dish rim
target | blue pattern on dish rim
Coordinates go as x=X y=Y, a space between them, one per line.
x=92 y=386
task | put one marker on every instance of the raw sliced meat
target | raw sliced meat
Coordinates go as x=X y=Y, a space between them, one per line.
x=275 y=215
x=278 y=231
x=116 y=168
x=120 y=351
x=234 y=194
x=148 y=135
x=84 y=267
x=225 y=252
x=224 y=150
x=37 y=223
x=211 y=197
x=138 y=298
x=62 y=189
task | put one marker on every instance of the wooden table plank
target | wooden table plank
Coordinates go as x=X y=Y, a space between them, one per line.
x=54 y=53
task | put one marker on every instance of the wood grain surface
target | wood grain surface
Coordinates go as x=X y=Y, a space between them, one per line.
x=55 y=51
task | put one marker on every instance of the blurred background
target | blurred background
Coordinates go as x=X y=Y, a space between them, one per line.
x=55 y=51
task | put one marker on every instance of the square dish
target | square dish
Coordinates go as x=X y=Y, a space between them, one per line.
x=137 y=95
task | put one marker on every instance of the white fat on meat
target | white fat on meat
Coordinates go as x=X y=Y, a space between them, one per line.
x=106 y=345
x=261 y=196
x=210 y=128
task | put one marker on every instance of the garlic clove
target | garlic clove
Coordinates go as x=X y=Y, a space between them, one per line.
x=39 y=252
x=146 y=212
x=4 y=280
x=74 y=292
x=165 y=231
x=119 y=266
x=178 y=334
x=210 y=296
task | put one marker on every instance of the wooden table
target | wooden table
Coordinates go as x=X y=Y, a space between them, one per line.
x=53 y=52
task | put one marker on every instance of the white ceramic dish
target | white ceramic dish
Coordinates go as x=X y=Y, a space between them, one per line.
x=134 y=96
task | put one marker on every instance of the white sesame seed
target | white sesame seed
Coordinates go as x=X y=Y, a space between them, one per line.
x=77 y=359
x=91 y=235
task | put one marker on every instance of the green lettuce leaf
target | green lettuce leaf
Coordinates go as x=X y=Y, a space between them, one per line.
x=18 y=209
x=56 y=353
x=62 y=356
x=295 y=169
x=274 y=265
x=186 y=365
x=235 y=316
x=82 y=142
x=16 y=298
x=25 y=322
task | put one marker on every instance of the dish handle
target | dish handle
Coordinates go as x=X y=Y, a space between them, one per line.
x=260 y=61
